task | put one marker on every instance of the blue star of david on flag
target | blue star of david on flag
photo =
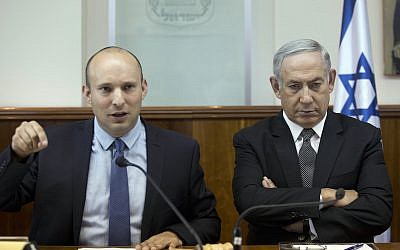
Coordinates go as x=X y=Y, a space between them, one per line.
x=362 y=80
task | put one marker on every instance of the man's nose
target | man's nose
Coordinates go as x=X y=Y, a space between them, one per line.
x=306 y=95
x=118 y=98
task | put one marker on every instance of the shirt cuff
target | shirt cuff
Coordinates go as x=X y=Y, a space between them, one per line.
x=320 y=200
x=313 y=232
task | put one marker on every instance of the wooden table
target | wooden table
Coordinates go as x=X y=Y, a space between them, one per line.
x=381 y=246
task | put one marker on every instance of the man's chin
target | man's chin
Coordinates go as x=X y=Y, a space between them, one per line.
x=119 y=129
x=308 y=121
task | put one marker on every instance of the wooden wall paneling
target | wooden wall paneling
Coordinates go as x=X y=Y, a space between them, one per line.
x=217 y=160
x=6 y=131
x=16 y=224
x=391 y=139
x=183 y=126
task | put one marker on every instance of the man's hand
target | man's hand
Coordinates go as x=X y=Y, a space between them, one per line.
x=268 y=183
x=163 y=240
x=296 y=227
x=329 y=194
x=29 y=138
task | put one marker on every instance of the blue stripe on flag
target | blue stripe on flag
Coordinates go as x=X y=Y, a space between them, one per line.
x=348 y=8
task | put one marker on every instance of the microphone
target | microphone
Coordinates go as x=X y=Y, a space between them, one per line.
x=123 y=162
x=237 y=232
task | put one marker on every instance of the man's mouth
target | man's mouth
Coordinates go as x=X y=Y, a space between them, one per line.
x=307 y=112
x=119 y=114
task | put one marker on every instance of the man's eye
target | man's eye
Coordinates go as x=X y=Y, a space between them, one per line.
x=105 y=89
x=315 y=85
x=294 y=86
x=129 y=87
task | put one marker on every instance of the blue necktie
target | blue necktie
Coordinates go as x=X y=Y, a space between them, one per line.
x=119 y=233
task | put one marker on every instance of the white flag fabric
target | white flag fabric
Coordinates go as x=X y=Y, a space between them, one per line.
x=355 y=93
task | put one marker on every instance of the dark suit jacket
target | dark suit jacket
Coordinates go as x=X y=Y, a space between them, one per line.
x=56 y=177
x=349 y=156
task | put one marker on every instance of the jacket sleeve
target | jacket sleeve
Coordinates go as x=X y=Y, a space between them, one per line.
x=17 y=181
x=371 y=213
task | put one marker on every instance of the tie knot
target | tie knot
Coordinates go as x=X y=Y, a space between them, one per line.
x=307 y=133
x=119 y=145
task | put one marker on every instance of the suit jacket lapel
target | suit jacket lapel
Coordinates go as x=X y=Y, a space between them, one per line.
x=81 y=155
x=286 y=151
x=155 y=157
x=329 y=147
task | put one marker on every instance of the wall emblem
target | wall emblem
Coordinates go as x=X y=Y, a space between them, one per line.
x=180 y=12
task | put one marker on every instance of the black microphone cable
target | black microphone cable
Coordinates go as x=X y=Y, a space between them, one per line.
x=123 y=162
x=237 y=232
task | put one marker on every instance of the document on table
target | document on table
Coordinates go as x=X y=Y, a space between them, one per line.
x=358 y=246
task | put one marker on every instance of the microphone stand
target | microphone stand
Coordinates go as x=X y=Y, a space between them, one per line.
x=237 y=232
x=122 y=162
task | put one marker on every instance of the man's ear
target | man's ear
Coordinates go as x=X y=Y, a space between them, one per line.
x=86 y=93
x=144 y=88
x=275 y=86
x=331 y=80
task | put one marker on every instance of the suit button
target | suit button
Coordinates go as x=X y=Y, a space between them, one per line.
x=301 y=237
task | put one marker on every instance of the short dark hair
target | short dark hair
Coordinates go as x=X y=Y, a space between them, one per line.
x=116 y=48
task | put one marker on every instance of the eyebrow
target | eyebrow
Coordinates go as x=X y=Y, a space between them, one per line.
x=312 y=80
x=317 y=79
x=105 y=84
x=131 y=82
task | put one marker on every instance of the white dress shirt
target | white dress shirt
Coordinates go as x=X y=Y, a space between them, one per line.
x=314 y=140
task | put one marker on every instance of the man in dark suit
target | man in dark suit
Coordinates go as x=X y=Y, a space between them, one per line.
x=304 y=154
x=68 y=170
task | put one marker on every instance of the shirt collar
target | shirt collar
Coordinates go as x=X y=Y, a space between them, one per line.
x=106 y=140
x=295 y=129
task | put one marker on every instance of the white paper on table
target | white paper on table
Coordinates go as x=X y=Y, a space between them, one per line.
x=329 y=247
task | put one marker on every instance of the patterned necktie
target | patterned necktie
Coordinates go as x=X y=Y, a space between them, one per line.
x=307 y=157
x=119 y=225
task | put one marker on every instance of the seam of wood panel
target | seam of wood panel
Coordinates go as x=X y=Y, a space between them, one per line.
x=189 y=112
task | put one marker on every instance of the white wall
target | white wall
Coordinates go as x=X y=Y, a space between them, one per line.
x=40 y=52
x=43 y=50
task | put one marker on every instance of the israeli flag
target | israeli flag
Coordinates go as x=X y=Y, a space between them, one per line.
x=355 y=93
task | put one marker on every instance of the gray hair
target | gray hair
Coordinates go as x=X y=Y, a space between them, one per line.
x=296 y=47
